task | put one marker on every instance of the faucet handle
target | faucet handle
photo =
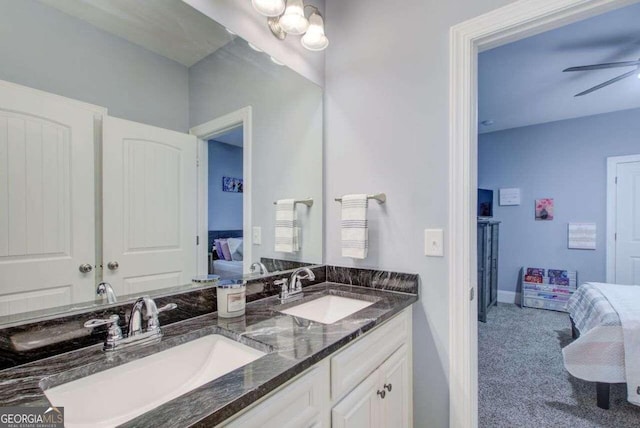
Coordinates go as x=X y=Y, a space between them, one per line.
x=284 y=287
x=113 y=319
x=114 y=334
x=154 y=323
x=168 y=307
x=281 y=282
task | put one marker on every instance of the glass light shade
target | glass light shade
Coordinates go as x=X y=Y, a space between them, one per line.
x=314 y=39
x=293 y=21
x=269 y=7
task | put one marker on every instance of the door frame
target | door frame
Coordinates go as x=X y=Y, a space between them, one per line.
x=204 y=132
x=612 y=165
x=513 y=22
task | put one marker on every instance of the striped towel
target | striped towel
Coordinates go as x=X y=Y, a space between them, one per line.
x=355 y=233
x=287 y=232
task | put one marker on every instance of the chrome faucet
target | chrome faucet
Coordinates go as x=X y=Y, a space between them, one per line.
x=116 y=340
x=105 y=289
x=292 y=289
x=262 y=268
x=151 y=312
x=296 y=285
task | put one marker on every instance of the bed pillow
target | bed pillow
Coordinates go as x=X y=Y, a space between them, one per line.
x=225 y=250
x=218 y=245
x=235 y=247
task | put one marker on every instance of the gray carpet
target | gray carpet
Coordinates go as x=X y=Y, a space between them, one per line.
x=522 y=380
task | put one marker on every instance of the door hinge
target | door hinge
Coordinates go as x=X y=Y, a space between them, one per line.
x=615 y=236
x=197 y=163
x=197 y=240
x=472 y=293
x=616 y=180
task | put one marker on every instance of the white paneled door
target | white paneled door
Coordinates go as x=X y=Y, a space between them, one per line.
x=627 y=239
x=149 y=207
x=46 y=200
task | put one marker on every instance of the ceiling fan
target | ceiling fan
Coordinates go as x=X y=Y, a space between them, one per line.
x=635 y=64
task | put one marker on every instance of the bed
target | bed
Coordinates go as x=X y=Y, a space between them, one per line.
x=598 y=353
x=217 y=264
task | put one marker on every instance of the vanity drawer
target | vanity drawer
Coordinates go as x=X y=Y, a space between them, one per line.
x=354 y=364
x=302 y=403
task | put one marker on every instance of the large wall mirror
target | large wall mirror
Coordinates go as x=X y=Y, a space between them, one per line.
x=144 y=145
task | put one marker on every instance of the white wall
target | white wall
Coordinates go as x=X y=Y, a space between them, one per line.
x=45 y=49
x=287 y=136
x=240 y=17
x=565 y=160
x=386 y=130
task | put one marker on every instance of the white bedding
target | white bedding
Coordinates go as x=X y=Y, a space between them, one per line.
x=598 y=355
x=227 y=269
x=625 y=299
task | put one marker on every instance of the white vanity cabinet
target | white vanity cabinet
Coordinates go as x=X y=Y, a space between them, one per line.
x=367 y=384
x=381 y=400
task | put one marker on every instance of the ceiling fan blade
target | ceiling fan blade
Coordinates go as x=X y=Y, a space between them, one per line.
x=602 y=66
x=608 y=82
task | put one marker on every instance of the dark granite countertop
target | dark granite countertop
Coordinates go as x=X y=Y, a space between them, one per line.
x=292 y=345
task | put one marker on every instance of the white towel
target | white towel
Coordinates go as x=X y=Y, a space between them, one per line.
x=287 y=232
x=355 y=232
x=624 y=299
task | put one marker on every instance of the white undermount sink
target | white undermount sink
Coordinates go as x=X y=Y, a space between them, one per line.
x=116 y=395
x=327 y=309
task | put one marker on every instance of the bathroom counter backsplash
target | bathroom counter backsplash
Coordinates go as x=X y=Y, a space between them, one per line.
x=291 y=348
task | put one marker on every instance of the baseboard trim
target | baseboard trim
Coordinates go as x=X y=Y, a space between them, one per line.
x=508 y=297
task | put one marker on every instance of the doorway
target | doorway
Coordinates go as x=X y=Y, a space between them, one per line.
x=224 y=204
x=236 y=128
x=623 y=247
x=504 y=25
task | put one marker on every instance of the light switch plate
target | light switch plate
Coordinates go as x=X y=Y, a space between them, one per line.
x=434 y=242
x=257 y=235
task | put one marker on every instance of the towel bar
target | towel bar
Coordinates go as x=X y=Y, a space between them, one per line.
x=380 y=197
x=308 y=202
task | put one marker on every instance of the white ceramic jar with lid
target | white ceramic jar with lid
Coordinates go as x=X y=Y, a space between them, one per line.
x=232 y=298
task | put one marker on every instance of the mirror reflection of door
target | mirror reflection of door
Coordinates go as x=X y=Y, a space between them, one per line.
x=149 y=207
x=225 y=203
x=46 y=182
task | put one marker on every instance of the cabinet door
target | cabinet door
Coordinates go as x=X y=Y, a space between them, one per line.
x=361 y=407
x=46 y=200
x=150 y=206
x=396 y=405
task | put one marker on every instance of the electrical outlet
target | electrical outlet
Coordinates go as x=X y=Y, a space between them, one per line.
x=257 y=235
x=434 y=242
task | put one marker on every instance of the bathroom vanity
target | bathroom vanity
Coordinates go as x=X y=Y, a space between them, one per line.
x=364 y=384
x=352 y=372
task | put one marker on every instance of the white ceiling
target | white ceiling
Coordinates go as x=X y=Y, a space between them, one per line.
x=522 y=83
x=169 y=28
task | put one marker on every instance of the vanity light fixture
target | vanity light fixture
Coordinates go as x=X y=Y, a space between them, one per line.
x=314 y=39
x=269 y=7
x=292 y=20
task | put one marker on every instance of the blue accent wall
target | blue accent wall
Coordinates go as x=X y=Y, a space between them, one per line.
x=564 y=160
x=225 y=208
